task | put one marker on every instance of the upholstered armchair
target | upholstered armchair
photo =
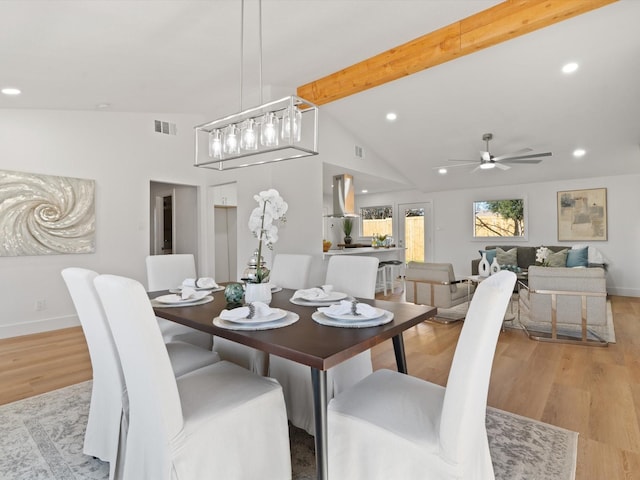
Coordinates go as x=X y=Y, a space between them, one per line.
x=435 y=284
x=564 y=304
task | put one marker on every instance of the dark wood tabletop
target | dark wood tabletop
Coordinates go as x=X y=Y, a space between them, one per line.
x=306 y=341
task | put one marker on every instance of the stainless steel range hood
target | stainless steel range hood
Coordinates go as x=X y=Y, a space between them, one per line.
x=344 y=197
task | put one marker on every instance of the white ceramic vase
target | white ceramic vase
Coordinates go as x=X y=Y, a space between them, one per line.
x=495 y=266
x=484 y=269
x=257 y=292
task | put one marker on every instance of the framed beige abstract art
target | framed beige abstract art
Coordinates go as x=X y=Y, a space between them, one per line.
x=45 y=215
x=582 y=215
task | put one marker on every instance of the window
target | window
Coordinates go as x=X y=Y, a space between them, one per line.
x=376 y=220
x=500 y=218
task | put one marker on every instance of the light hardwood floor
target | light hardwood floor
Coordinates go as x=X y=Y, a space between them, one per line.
x=593 y=391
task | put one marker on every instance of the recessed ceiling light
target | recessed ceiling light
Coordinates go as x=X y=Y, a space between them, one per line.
x=442 y=171
x=579 y=152
x=570 y=67
x=365 y=191
x=391 y=116
x=11 y=91
x=102 y=106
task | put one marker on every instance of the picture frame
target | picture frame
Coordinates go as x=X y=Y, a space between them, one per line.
x=582 y=215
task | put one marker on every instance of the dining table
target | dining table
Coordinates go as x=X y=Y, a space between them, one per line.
x=307 y=342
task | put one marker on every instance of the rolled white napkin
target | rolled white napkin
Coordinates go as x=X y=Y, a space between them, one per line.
x=315 y=293
x=189 y=293
x=363 y=310
x=203 y=282
x=261 y=310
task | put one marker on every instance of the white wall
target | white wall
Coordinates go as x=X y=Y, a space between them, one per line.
x=122 y=153
x=453 y=220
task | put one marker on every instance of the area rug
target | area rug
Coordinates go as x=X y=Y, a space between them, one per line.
x=41 y=439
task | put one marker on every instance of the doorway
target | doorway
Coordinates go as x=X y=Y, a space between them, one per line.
x=173 y=216
x=414 y=231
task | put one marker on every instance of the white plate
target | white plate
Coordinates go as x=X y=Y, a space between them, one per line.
x=349 y=317
x=275 y=289
x=278 y=314
x=322 y=319
x=208 y=290
x=331 y=297
x=194 y=303
x=289 y=319
x=177 y=299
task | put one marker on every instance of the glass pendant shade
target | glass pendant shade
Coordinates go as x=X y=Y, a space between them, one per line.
x=231 y=145
x=291 y=122
x=215 y=144
x=269 y=130
x=249 y=135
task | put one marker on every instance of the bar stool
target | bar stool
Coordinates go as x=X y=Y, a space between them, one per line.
x=389 y=274
x=382 y=278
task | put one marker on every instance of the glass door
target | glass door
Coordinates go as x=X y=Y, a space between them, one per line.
x=414 y=231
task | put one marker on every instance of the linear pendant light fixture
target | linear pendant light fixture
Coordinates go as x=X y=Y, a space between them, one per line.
x=275 y=131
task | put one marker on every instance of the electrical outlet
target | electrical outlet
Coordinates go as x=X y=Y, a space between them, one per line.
x=41 y=305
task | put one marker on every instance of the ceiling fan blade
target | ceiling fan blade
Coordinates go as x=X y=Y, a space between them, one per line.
x=512 y=154
x=521 y=162
x=455 y=166
x=524 y=157
x=455 y=160
x=501 y=166
x=475 y=169
x=486 y=156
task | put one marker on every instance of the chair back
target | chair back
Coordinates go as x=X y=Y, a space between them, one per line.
x=463 y=435
x=168 y=271
x=155 y=412
x=106 y=412
x=290 y=271
x=353 y=274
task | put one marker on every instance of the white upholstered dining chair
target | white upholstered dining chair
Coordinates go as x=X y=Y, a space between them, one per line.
x=105 y=434
x=220 y=421
x=290 y=270
x=356 y=276
x=392 y=425
x=169 y=271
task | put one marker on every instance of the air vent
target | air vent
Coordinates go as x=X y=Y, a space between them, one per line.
x=359 y=152
x=167 y=128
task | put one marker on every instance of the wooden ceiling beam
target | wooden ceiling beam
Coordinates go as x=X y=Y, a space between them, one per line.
x=497 y=24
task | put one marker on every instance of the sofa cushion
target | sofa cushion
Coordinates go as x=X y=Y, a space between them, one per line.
x=578 y=257
x=557 y=259
x=509 y=257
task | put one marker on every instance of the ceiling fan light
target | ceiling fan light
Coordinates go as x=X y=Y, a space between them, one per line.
x=487 y=165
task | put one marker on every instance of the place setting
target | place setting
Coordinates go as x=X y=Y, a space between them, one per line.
x=187 y=297
x=322 y=296
x=351 y=314
x=255 y=316
x=203 y=284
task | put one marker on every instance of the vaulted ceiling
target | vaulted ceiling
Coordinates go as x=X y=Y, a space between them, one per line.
x=184 y=57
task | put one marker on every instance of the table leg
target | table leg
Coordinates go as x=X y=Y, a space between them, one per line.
x=398 y=348
x=319 y=383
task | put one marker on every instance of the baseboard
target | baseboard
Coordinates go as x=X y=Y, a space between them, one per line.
x=38 y=326
x=624 y=292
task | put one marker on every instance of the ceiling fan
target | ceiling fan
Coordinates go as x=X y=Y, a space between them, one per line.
x=488 y=161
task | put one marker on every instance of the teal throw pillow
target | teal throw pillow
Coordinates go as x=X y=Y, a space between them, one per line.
x=578 y=257
x=510 y=257
x=491 y=254
x=558 y=259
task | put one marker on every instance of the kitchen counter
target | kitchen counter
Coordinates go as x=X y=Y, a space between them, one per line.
x=368 y=251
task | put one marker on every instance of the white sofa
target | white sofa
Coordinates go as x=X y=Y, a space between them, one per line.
x=564 y=304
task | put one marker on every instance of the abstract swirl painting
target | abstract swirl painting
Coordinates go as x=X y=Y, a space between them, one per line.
x=46 y=215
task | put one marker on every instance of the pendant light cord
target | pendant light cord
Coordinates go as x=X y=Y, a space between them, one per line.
x=242 y=50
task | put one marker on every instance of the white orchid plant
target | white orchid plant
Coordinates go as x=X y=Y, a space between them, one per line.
x=542 y=254
x=271 y=207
